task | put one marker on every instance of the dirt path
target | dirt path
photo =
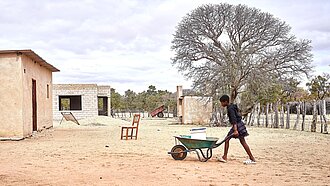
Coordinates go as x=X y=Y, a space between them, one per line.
x=77 y=155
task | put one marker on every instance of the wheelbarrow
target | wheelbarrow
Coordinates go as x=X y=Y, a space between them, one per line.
x=203 y=148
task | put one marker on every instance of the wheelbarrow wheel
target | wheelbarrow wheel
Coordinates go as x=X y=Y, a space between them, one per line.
x=160 y=115
x=179 y=152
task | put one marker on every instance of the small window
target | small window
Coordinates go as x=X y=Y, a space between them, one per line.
x=47 y=91
x=70 y=103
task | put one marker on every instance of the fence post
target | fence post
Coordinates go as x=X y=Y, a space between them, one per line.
x=324 y=113
x=271 y=110
x=258 y=116
x=298 y=116
x=276 y=118
x=287 y=116
x=263 y=111
x=267 y=110
x=313 y=126
x=282 y=116
x=320 y=111
x=254 y=115
x=303 y=116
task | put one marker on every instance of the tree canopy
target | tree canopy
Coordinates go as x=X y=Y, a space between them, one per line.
x=319 y=86
x=145 y=100
x=228 y=49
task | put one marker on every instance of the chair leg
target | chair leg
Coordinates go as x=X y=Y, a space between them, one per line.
x=132 y=130
x=127 y=134
x=121 y=134
x=136 y=133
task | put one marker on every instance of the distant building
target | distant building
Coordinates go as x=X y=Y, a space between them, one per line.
x=193 y=109
x=25 y=93
x=83 y=100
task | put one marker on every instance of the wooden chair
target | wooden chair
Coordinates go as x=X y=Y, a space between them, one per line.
x=131 y=131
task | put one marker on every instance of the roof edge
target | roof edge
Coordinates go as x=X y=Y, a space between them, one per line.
x=34 y=56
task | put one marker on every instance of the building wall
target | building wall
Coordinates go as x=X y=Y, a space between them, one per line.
x=196 y=110
x=43 y=77
x=179 y=98
x=11 y=96
x=89 y=102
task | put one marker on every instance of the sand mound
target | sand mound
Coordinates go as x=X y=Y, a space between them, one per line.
x=99 y=121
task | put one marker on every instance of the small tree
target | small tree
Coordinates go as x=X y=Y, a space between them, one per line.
x=116 y=99
x=130 y=98
x=320 y=86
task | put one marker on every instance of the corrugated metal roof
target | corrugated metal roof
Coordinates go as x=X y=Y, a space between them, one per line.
x=35 y=57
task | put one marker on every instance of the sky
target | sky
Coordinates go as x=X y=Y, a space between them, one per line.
x=126 y=44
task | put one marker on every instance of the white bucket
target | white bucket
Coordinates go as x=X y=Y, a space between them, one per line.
x=198 y=133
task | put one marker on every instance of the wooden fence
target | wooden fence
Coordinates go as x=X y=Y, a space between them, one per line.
x=305 y=116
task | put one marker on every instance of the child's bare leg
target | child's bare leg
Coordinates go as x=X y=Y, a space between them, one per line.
x=247 y=148
x=226 y=150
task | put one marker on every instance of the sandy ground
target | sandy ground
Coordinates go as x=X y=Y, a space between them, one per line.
x=77 y=155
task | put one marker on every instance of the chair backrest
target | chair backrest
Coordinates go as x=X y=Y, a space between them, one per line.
x=136 y=120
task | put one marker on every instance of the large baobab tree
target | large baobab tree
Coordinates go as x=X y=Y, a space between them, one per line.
x=228 y=48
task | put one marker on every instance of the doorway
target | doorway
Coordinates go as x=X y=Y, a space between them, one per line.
x=103 y=106
x=34 y=105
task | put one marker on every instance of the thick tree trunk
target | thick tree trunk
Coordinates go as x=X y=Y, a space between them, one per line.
x=313 y=126
x=222 y=117
x=233 y=94
x=276 y=118
x=298 y=117
x=267 y=110
x=303 y=116
x=214 y=121
x=282 y=116
x=287 y=116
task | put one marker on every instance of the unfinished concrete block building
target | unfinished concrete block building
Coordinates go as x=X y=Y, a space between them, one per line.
x=193 y=109
x=83 y=100
x=25 y=93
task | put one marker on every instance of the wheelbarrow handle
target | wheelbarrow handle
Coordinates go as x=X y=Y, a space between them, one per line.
x=226 y=138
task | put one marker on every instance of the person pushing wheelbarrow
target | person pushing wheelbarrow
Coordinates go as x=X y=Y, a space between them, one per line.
x=238 y=130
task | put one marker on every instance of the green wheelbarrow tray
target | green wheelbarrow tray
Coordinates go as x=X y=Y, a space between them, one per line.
x=185 y=144
x=190 y=143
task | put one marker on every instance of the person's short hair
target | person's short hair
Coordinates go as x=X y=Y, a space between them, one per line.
x=224 y=98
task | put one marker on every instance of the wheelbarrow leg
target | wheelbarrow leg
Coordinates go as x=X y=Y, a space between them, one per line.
x=204 y=158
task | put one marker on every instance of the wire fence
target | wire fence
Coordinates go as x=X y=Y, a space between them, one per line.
x=126 y=113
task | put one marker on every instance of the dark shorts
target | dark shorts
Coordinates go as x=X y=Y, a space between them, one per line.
x=241 y=130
